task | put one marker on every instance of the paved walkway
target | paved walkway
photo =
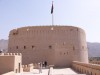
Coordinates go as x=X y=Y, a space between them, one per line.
x=35 y=72
x=63 y=71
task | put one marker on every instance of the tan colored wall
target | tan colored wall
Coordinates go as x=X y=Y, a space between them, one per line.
x=9 y=62
x=84 y=68
x=28 y=68
x=62 y=39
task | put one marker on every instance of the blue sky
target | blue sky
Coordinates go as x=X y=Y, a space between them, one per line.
x=81 y=13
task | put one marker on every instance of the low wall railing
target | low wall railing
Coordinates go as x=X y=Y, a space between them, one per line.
x=86 y=68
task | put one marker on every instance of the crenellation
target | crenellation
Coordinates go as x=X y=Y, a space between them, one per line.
x=20 y=54
x=10 y=62
x=11 y=54
x=5 y=53
x=82 y=67
x=1 y=53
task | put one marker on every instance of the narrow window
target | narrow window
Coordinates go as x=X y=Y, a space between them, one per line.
x=16 y=47
x=33 y=47
x=24 y=47
x=50 y=47
x=19 y=67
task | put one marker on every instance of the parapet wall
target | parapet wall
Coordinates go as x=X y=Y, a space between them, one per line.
x=84 y=68
x=10 y=62
x=10 y=54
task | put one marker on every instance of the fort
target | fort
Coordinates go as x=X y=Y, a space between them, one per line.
x=47 y=43
x=58 y=46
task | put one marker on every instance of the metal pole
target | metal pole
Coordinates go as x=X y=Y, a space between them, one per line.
x=52 y=20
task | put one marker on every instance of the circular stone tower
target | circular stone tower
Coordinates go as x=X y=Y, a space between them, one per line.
x=56 y=45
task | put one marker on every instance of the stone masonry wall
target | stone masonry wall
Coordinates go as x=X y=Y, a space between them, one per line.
x=50 y=44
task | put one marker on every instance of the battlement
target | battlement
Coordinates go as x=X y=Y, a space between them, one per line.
x=10 y=54
x=87 y=68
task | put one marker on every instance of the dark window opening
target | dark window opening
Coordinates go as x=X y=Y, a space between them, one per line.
x=16 y=47
x=24 y=47
x=71 y=29
x=19 y=67
x=33 y=47
x=15 y=33
x=50 y=46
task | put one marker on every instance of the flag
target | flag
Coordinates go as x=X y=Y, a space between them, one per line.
x=52 y=8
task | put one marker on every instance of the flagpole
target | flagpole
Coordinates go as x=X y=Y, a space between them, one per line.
x=52 y=20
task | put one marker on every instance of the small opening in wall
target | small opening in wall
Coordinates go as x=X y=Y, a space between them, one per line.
x=19 y=67
x=33 y=47
x=50 y=47
x=24 y=47
x=14 y=33
x=71 y=29
x=16 y=47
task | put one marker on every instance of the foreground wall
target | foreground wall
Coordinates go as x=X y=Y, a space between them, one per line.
x=57 y=45
x=84 y=68
x=10 y=62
